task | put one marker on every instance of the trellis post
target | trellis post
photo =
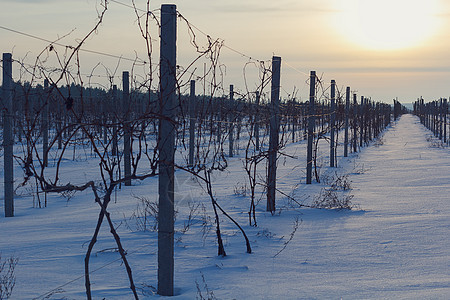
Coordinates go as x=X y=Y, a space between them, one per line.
x=231 y=122
x=219 y=105
x=311 y=125
x=355 y=122
x=274 y=133
x=114 y=137
x=192 y=118
x=361 y=122
x=104 y=106
x=60 y=123
x=445 y=120
x=347 y=110
x=8 y=139
x=440 y=119
x=127 y=127
x=166 y=143
x=45 y=123
x=256 y=128
x=332 y=121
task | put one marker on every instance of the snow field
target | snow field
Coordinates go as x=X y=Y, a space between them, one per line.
x=394 y=245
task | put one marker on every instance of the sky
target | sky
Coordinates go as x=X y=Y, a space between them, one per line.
x=381 y=49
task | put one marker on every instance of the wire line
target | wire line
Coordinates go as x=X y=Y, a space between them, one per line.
x=71 y=47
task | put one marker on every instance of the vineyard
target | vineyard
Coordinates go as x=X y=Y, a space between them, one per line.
x=171 y=184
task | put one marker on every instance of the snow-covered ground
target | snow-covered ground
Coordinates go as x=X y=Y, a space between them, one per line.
x=394 y=245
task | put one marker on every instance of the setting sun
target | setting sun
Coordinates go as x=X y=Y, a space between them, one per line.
x=388 y=24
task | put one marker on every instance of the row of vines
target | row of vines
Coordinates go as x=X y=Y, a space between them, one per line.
x=55 y=118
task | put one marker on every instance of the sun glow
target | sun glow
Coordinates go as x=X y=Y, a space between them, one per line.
x=388 y=24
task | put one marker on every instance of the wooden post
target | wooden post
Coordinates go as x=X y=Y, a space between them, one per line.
x=166 y=143
x=126 y=126
x=347 y=111
x=332 y=122
x=274 y=133
x=8 y=139
x=231 y=120
x=256 y=128
x=45 y=112
x=311 y=123
x=192 y=118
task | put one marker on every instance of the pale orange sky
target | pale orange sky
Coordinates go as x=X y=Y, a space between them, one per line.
x=397 y=48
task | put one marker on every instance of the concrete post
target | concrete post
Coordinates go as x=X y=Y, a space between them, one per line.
x=347 y=110
x=218 y=103
x=332 y=122
x=366 y=120
x=436 y=118
x=231 y=120
x=239 y=107
x=192 y=118
x=294 y=119
x=445 y=120
x=104 y=105
x=256 y=127
x=355 y=123
x=441 y=119
x=60 y=122
x=311 y=125
x=45 y=115
x=115 y=145
x=166 y=143
x=126 y=126
x=274 y=133
x=361 y=122
x=8 y=139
